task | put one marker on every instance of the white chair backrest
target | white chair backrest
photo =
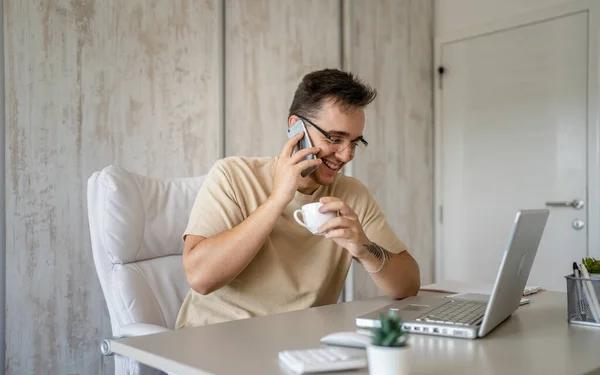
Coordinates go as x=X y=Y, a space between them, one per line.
x=136 y=224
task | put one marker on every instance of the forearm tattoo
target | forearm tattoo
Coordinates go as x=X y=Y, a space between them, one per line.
x=377 y=251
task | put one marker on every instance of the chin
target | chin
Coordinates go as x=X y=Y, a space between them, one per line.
x=321 y=177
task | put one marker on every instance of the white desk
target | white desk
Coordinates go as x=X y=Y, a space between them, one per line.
x=536 y=340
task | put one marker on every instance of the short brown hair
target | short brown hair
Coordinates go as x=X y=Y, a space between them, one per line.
x=343 y=88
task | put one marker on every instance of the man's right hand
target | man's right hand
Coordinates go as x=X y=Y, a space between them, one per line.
x=288 y=168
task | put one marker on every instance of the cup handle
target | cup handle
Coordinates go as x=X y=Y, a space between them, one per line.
x=298 y=220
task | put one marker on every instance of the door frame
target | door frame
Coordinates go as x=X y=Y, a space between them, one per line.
x=592 y=7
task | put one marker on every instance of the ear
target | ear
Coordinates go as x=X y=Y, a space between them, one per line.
x=292 y=120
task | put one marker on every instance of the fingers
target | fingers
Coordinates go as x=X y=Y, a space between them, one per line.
x=294 y=159
x=328 y=199
x=336 y=223
x=307 y=164
x=331 y=204
x=287 y=149
x=339 y=233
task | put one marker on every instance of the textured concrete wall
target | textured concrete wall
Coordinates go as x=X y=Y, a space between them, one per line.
x=391 y=47
x=91 y=83
x=139 y=83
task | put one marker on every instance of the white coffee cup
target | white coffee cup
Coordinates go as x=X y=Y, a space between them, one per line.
x=312 y=218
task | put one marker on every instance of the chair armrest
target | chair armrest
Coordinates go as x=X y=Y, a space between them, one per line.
x=131 y=330
x=141 y=329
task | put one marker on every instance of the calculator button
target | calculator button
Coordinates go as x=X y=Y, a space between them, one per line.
x=330 y=357
x=339 y=353
x=317 y=356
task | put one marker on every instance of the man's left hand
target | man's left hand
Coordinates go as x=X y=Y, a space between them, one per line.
x=345 y=229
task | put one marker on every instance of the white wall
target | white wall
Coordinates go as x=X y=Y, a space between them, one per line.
x=460 y=17
x=453 y=15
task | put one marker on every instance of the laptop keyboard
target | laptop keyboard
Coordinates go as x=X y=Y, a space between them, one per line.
x=461 y=313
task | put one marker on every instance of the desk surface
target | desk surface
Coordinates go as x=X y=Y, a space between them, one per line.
x=536 y=339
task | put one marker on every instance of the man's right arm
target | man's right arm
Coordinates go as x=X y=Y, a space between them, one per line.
x=211 y=263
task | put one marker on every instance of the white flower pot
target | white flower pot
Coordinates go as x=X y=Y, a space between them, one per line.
x=385 y=360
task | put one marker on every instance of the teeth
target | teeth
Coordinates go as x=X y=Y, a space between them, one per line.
x=331 y=166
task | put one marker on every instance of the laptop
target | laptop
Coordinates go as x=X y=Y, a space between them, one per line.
x=474 y=316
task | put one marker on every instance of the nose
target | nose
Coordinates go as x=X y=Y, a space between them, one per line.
x=344 y=155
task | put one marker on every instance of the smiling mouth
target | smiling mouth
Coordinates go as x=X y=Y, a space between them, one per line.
x=330 y=165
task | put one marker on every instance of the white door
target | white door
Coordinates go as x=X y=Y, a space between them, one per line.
x=513 y=120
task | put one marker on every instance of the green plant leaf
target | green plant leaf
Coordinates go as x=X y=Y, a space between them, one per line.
x=389 y=332
x=389 y=340
x=378 y=337
x=591 y=264
x=385 y=324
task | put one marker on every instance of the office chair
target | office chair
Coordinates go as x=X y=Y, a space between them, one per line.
x=136 y=223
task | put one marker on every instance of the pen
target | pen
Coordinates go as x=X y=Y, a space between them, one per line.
x=577 y=274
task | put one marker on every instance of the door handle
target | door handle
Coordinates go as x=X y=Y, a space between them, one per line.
x=575 y=203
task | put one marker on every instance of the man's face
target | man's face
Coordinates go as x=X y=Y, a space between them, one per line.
x=344 y=128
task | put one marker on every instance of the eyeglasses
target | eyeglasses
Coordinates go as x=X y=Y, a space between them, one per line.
x=356 y=145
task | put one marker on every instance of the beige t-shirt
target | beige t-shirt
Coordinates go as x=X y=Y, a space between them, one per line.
x=294 y=269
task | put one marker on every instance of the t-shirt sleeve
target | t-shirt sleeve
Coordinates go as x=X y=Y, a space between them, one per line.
x=377 y=228
x=216 y=208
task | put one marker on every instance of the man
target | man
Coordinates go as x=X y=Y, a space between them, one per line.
x=244 y=255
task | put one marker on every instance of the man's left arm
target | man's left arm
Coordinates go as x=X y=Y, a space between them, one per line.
x=398 y=276
x=394 y=270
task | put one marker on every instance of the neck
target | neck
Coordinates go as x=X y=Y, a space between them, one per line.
x=307 y=186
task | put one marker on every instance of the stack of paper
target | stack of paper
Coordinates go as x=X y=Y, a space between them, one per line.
x=531 y=290
x=452 y=286
x=469 y=289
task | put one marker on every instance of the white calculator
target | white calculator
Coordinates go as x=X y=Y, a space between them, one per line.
x=323 y=359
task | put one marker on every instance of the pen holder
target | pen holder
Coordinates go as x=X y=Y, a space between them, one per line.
x=583 y=300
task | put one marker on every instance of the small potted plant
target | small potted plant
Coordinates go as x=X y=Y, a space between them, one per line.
x=387 y=353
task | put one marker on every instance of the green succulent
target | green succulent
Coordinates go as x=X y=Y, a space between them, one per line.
x=592 y=265
x=390 y=332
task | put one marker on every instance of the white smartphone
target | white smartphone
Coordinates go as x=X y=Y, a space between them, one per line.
x=304 y=143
